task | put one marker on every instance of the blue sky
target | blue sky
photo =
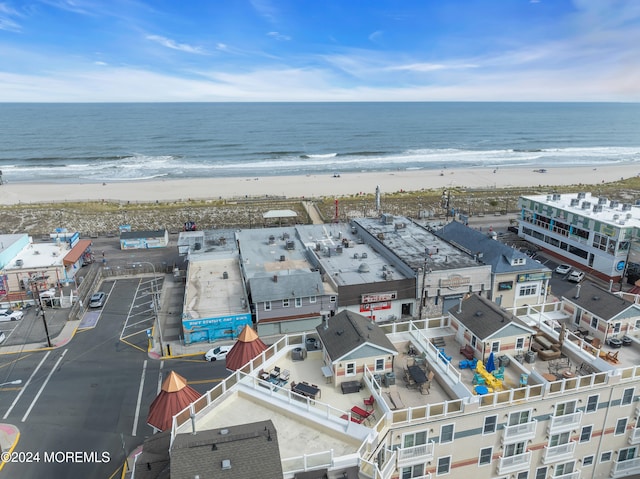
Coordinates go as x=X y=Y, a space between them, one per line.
x=319 y=50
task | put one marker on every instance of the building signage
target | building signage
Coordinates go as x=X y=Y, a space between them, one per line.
x=377 y=298
x=196 y=323
x=455 y=281
x=534 y=276
x=505 y=286
x=375 y=306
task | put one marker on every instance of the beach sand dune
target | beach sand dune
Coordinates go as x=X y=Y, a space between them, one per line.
x=311 y=186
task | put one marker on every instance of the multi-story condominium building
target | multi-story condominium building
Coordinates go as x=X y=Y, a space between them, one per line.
x=516 y=279
x=547 y=404
x=586 y=231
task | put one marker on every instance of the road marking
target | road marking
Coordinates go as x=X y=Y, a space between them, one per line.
x=15 y=401
x=160 y=377
x=35 y=399
x=135 y=419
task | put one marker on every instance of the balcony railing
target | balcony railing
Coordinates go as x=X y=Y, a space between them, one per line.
x=520 y=432
x=515 y=463
x=626 y=468
x=570 y=475
x=564 y=423
x=634 y=437
x=559 y=452
x=408 y=455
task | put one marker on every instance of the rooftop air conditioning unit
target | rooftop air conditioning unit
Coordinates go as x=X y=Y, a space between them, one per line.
x=614 y=204
x=628 y=216
x=364 y=255
x=582 y=195
x=597 y=208
x=575 y=201
x=556 y=197
x=626 y=207
x=586 y=205
x=602 y=201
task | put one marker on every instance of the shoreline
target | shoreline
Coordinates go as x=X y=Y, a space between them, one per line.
x=312 y=186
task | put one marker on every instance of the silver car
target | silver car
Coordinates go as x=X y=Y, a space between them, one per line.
x=97 y=300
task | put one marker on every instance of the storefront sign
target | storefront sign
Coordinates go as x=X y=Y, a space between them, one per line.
x=524 y=277
x=376 y=298
x=374 y=306
x=455 y=281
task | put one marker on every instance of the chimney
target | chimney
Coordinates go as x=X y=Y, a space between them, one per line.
x=460 y=305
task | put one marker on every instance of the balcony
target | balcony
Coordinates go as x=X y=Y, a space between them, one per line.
x=520 y=432
x=626 y=468
x=560 y=452
x=415 y=454
x=570 y=475
x=509 y=464
x=564 y=423
x=634 y=437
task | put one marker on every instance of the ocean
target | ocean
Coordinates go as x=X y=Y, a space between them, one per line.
x=105 y=142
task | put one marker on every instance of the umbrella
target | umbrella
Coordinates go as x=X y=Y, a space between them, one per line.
x=490 y=366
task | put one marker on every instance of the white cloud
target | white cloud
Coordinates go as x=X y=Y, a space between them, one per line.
x=183 y=47
x=7 y=18
x=279 y=36
x=375 y=36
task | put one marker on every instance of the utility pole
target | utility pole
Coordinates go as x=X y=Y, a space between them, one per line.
x=36 y=292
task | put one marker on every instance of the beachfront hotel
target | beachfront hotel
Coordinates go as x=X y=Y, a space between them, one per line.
x=478 y=392
x=589 y=232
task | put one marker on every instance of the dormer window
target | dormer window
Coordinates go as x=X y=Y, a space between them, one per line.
x=517 y=261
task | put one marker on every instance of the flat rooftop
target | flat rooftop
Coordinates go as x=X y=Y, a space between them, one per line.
x=611 y=212
x=39 y=256
x=412 y=243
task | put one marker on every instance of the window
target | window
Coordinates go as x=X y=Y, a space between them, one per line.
x=495 y=346
x=332 y=299
x=489 y=424
x=541 y=473
x=627 y=397
x=594 y=323
x=562 y=469
x=514 y=449
x=621 y=426
x=380 y=364
x=587 y=461
x=520 y=417
x=351 y=369
x=414 y=439
x=485 y=456
x=627 y=454
x=528 y=290
x=444 y=463
x=592 y=404
x=446 y=433
x=559 y=439
x=519 y=343
x=285 y=303
x=417 y=470
x=565 y=408
x=298 y=302
x=605 y=456
x=267 y=305
x=585 y=433
x=313 y=299
x=522 y=475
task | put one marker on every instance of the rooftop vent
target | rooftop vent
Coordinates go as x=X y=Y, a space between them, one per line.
x=356 y=255
x=272 y=239
x=363 y=268
x=283 y=257
x=226 y=464
x=616 y=216
x=290 y=245
x=628 y=216
x=197 y=246
x=225 y=275
x=364 y=255
x=479 y=314
x=224 y=432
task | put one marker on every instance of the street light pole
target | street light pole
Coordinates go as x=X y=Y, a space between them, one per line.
x=36 y=292
x=15 y=382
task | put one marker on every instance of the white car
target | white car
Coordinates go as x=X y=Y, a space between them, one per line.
x=10 y=315
x=563 y=268
x=217 y=353
x=576 y=276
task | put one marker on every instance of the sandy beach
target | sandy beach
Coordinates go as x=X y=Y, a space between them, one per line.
x=311 y=186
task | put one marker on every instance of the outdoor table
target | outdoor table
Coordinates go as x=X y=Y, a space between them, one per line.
x=482 y=390
x=417 y=374
x=307 y=390
x=361 y=412
x=327 y=372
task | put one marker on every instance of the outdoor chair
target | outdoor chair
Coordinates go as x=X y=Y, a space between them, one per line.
x=370 y=401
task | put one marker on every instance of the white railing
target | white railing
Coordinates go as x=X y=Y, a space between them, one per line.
x=559 y=452
x=626 y=468
x=515 y=463
x=412 y=454
x=520 y=432
x=308 y=462
x=434 y=353
x=566 y=422
x=634 y=437
x=569 y=475
x=389 y=467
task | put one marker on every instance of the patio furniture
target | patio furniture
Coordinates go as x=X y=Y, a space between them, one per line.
x=394 y=397
x=275 y=372
x=481 y=390
x=349 y=387
x=417 y=374
x=306 y=390
x=363 y=413
x=285 y=374
x=467 y=351
x=369 y=401
x=357 y=420
x=524 y=378
x=327 y=373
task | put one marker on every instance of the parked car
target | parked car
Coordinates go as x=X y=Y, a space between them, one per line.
x=219 y=352
x=563 y=268
x=576 y=276
x=2 y=337
x=97 y=300
x=10 y=315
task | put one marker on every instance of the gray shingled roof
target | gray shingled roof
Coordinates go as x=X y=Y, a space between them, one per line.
x=251 y=449
x=348 y=331
x=290 y=284
x=598 y=301
x=494 y=253
x=484 y=318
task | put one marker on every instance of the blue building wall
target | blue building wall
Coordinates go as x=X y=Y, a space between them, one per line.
x=212 y=329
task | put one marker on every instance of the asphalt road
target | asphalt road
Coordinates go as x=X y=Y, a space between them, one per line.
x=82 y=408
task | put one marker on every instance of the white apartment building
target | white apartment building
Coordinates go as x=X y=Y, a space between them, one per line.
x=589 y=232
